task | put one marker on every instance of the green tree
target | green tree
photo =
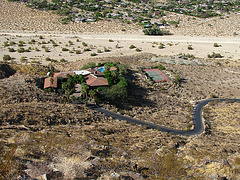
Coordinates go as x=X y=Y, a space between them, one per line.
x=6 y=57
x=84 y=89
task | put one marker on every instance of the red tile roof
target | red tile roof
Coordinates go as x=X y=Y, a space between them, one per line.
x=95 y=81
x=48 y=83
x=63 y=74
x=112 y=68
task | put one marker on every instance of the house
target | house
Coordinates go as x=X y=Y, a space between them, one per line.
x=96 y=72
x=50 y=82
x=112 y=69
x=82 y=72
x=94 y=81
x=63 y=74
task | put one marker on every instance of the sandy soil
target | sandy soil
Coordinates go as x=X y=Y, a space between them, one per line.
x=23 y=24
x=174 y=45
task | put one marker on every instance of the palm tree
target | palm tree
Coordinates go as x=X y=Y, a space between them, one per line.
x=84 y=89
x=92 y=93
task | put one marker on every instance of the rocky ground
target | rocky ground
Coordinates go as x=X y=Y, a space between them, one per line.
x=50 y=138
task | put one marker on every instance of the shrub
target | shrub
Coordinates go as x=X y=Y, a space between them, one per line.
x=160 y=67
x=87 y=49
x=123 y=29
x=138 y=50
x=161 y=46
x=132 y=47
x=84 y=44
x=99 y=51
x=110 y=40
x=11 y=50
x=47 y=50
x=23 y=59
x=40 y=37
x=12 y=43
x=106 y=50
x=62 y=60
x=21 y=50
x=78 y=51
x=36 y=49
x=35 y=62
x=93 y=54
x=190 y=47
x=5 y=44
x=48 y=59
x=216 y=45
x=55 y=45
x=6 y=57
x=215 y=55
x=65 y=49
x=156 y=32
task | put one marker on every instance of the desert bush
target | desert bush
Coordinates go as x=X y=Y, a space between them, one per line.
x=35 y=62
x=12 y=43
x=106 y=50
x=87 y=49
x=65 y=49
x=6 y=57
x=63 y=60
x=190 y=47
x=84 y=44
x=138 y=50
x=215 y=55
x=161 y=46
x=166 y=166
x=47 y=50
x=99 y=51
x=48 y=59
x=70 y=43
x=78 y=51
x=160 y=67
x=110 y=40
x=11 y=50
x=216 y=45
x=177 y=79
x=5 y=44
x=40 y=37
x=132 y=47
x=156 y=32
x=36 y=49
x=93 y=54
x=23 y=59
x=21 y=50
x=9 y=167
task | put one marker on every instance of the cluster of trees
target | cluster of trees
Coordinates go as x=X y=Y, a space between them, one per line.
x=195 y=8
x=69 y=85
x=156 y=32
x=118 y=84
x=117 y=90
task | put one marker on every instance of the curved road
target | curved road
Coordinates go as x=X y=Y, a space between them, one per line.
x=197 y=119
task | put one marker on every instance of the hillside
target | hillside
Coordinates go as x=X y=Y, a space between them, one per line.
x=45 y=135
